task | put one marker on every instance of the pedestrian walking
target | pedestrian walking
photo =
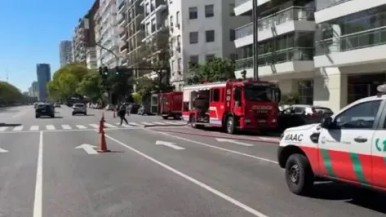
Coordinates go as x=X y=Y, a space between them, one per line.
x=122 y=114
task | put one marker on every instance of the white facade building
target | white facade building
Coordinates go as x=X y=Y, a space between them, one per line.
x=350 y=55
x=65 y=52
x=286 y=45
x=91 y=58
x=155 y=18
x=200 y=30
x=108 y=35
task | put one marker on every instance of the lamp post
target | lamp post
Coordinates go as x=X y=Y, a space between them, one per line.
x=255 y=40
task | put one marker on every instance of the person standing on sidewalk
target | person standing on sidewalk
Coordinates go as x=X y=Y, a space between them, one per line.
x=122 y=114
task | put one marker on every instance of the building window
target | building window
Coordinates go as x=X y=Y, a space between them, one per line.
x=193 y=37
x=306 y=92
x=178 y=19
x=209 y=35
x=209 y=10
x=193 y=60
x=232 y=35
x=153 y=25
x=172 y=65
x=171 y=21
x=234 y=56
x=179 y=65
x=232 y=10
x=209 y=57
x=193 y=13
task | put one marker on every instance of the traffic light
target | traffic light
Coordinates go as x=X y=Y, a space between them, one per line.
x=118 y=71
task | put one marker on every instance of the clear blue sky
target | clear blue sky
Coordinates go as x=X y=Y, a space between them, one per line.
x=31 y=31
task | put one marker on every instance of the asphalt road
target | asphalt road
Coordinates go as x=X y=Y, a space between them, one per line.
x=49 y=167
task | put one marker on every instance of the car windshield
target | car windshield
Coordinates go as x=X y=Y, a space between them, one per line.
x=79 y=105
x=260 y=93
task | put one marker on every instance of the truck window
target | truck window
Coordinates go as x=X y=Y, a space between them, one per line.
x=237 y=94
x=216 y=95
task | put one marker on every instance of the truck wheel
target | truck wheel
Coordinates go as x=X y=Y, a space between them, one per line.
x=298 y=174
x=230 y=125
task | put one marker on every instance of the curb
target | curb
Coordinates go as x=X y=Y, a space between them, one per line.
x=271 y=141
x=164 y=125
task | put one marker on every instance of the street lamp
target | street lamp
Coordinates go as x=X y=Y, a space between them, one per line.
x=255 y=40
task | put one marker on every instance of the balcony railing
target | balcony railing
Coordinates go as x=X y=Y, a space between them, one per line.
x=240 y=2
x=359 y=40
x=332 y=4
x=290 y=14
x=280 y=56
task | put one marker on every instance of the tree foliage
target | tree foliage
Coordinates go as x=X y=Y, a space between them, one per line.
x=217 y=69
x=9 y=94
x=145 y=86
x=91 y=86
x=65 y=81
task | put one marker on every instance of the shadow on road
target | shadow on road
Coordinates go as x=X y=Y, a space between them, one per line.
x=9 y=125
x=362 y=197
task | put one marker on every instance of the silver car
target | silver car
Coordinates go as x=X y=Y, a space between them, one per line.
x=79 y=108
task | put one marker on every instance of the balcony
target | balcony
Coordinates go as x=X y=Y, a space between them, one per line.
x=160 y=6
x=354 y=49
x=245 y=6
x=291 y=60
x=283 y=22
x=341 y=8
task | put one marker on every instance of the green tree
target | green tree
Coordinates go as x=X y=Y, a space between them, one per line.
x=217 y=69
x=9 y=94
x=66 y=80
x=145 y=86
x=91 y=86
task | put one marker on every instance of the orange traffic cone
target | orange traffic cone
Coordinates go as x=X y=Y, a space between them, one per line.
x=102 y=143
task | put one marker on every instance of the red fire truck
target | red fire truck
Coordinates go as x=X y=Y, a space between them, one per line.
x=171 y=105
x=232 y=105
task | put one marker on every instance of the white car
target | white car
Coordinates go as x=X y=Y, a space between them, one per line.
x=79 y=108
x=349 y=147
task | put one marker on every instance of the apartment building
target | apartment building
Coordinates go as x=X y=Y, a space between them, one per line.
x=200 y=30
x=136 y=32
x=350 y=48
x=65 y=52
x=43 y=72
x=84 y=35
x=286 y=32
x=123 y=32
x=107 y=35
x=155 y=42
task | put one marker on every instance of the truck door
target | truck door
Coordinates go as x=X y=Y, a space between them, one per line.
x=345 y=149
x=237 y=101
x=215 y=108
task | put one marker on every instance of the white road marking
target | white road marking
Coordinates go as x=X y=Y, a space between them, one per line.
x=89 y=149
x=3 y=150
x=234 y=142
x=50 y=127
x=94 y=125
x=173 y=123
x=34 y=128
x=159 y=123
x=169 y=144
x=81 y=127
x=133 y=123
x=110 y=125
x=216 y=147
x=66 y=127
x=193 y=180
x=18 y=128
x=38 y=202
x=146 y=123
x=2 y=129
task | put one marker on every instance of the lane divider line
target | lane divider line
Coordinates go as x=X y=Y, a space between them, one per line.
x=38 y=201
x=216 y=147
x=192 y=180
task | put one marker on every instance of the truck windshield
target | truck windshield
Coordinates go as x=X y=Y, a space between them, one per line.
x=259 y=93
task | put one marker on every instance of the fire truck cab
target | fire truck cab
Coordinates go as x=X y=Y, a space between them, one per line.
x=233 y=105
x=171 y=105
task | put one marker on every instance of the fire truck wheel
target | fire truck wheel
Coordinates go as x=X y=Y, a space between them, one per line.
x=230 y=125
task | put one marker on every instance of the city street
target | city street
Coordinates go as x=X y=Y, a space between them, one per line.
x=161 y=168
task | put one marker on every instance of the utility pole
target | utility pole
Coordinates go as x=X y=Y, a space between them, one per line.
x=255 y=40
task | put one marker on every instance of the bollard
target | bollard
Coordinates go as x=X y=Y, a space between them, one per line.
x=102 y=142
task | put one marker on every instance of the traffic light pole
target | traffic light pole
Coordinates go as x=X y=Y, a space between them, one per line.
x=255 y=40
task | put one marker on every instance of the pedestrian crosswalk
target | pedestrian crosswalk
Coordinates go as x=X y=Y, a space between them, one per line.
x=91 y=126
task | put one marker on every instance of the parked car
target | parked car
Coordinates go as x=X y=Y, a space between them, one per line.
x=57 y=105
x=79 y=108
x=297 y=115
x=44 y=109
